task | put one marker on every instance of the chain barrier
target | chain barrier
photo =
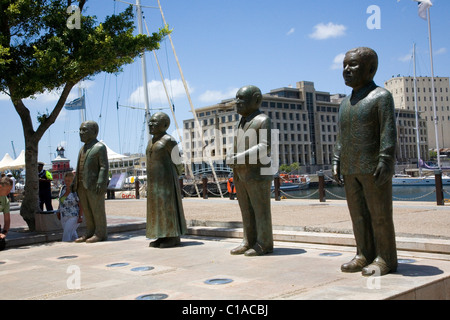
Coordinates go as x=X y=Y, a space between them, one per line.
x=291 y=196
x=335 y=195
x=416 y=198
x=216 y=194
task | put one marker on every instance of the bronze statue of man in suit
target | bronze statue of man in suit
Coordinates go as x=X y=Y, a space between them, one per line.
x=165 y=215
x=91 y=181
x=250 y=161
x=365 y=155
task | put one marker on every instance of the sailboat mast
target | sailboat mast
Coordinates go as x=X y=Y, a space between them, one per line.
x=433 y=91
x=144 y=69
x=417 y=113
x=197 y=122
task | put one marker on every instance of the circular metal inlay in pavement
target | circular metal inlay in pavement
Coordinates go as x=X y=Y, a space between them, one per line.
x=115 y=265
x=155 y=296
x=218 y=281
x=67 y=257
x=142 y=269
x=406 y=260
x=330 y=254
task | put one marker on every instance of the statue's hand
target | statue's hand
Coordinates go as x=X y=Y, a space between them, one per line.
x=382 y=174
x=336 y=170
x=100 y=189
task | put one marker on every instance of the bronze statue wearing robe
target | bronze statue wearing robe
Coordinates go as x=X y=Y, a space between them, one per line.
x=165 y=215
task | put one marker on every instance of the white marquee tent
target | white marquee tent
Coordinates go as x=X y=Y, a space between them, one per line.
x=4 y=163
x=112 y=155
x=7 y=163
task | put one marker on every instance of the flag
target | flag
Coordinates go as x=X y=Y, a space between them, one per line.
x=423 y=6
x=76 y=104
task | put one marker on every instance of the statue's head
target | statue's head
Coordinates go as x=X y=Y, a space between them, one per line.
x=360 y=66
x=88 y=131
x=248 y=100
x=158 y=123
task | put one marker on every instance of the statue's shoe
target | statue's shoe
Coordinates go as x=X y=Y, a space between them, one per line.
x=240 y=250
x=170 y=242
x=81 y=239
x=355 y=265
x=377 y=268
x=257 y=250
x=94 y=239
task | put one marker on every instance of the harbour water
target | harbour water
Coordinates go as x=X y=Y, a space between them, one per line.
x=399 y=193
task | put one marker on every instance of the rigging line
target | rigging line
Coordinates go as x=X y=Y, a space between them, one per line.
x=133 y=4
x=191 y=104
x=101 y=104
x=179 y=132
x=165 y=89
x=118 y=118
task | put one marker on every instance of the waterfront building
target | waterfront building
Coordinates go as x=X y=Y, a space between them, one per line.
x=60 y=165
x=402 y=89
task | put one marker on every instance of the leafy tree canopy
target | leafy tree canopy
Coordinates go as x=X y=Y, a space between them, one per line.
x=39 y=52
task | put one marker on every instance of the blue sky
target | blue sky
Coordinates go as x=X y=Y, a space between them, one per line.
x=223 y=45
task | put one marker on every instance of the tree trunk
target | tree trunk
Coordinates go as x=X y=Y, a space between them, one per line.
x=30 y=203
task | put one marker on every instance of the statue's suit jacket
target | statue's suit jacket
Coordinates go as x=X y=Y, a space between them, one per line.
x=252 y=146
x=95 y=169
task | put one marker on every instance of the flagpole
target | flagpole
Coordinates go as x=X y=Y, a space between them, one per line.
x=433 y=90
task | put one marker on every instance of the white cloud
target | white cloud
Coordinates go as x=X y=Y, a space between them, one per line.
x=53 y=96
x=156 y=90
x=406 y=58
x=338 y=61
x=215 y=96
x=325 y=31
x=441 y=51
x=291 y=31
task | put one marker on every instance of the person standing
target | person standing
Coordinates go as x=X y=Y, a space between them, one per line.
x=365 y=155
x=13 y=189
x=69 y=210
x=45 y=188
x=5 y=189
x=91 y=182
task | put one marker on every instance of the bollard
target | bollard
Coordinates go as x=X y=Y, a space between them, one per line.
x=321 y=186
x=136 y=187
x=205 y=187
x=276 y=184
x=439 y=189
x=180 y=180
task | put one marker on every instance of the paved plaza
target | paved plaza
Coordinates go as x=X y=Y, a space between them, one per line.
x=312 y=240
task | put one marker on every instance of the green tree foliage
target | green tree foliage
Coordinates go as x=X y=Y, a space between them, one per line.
x=40 y=53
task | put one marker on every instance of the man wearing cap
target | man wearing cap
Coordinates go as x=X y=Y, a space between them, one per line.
x=45 y=188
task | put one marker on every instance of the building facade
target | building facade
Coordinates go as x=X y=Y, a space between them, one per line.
x=402 y=89
x=60 y=165
x=304 y=120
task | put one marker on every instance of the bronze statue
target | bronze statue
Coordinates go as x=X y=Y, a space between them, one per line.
x=365 y=155
x=91 y=181
x=250 y=156
x=165 y=215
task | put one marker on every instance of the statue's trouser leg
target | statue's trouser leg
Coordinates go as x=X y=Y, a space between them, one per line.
x=254 y=202
x=93 y=205
x=371 y=213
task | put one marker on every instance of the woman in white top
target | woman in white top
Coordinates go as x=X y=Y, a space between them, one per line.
x=69 y=210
